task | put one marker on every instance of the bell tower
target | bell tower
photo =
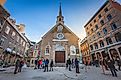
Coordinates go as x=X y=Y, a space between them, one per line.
x=60 y=18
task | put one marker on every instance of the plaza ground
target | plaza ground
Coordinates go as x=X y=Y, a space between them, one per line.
x=59 y=73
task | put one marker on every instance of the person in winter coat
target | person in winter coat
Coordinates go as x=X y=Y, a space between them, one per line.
x=51 y=65
x=111 y=66
x=17 y=64
x=77 y=65
x=119 y=63
x=69 y=63
x=46 y=65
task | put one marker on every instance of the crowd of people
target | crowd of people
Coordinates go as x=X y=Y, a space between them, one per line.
x=73 y=64
x=43 y=64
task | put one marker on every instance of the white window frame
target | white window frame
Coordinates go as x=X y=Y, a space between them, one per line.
x=47 y=53
x=13 y=34
x=72 y=50
x=7 y=30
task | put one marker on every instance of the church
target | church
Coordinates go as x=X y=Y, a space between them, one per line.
x=59 y=43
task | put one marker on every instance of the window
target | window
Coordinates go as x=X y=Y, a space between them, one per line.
x=109 y=17
x=87 y=33
x=96 y=26
x=72 y=50
x=98 y=33
x=90 y=24
x=104 y=30
x=101 y=43
x=47 y=50
x=1 y=41
x=102 y=22
x=17 y=38
x=23 y=43
x=99 y=16
x=87 y=28
x=92 y=30
x=113 y=26
x=96 y=46
x=94 y=20
x=7 y=30
x=1 y=22
x=106 y=9
x=91 y=47
x=109 y=41
x=13 y=34
x=118 y=36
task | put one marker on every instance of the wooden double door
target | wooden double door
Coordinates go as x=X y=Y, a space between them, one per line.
x=59 y=56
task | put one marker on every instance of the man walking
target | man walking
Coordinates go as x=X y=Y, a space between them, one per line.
x=111 y=66
x=69 y=63
x=17 y=64
x=51 y=65
x=77 y=65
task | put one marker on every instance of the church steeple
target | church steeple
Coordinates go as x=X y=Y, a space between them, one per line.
x=60 y=17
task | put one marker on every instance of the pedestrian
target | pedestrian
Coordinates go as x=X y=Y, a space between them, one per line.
x=51 y=65
x=111 y=66
x=73 y=63
x=36 y=62
x=17 y=63
x=77 y=65
x=118 y=63
x=66 y=64
x=46 y=65
x=21 y=65
x=69 y=64
x=40 y=62
x=86 y=64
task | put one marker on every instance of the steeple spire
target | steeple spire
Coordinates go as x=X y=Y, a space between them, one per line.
x=60 y=11
x=60 y=17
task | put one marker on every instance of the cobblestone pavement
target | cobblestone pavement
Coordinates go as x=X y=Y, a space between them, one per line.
x=59 y=73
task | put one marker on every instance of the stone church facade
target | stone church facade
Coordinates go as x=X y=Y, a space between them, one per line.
x=59 y=43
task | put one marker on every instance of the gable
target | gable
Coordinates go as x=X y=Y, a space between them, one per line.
x=65 y=30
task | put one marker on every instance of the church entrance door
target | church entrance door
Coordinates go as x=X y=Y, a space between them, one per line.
x=59 y=56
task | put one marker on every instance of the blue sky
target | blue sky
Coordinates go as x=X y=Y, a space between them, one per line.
x=39 y=16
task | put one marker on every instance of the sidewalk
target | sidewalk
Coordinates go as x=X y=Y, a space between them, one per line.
x=6 y=69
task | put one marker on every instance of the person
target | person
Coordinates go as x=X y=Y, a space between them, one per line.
x=66 y=64
x=21 y=65
x=77 y=65
x=17 y=63
x=46 y=65
x=72 y=63
x=36 y=62
x=119 y=63
x=111 y=66
x=86 y=64
x=69 y=63
x=51 y=65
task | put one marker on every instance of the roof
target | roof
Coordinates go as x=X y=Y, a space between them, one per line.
x=97 y=12
x=64 y=26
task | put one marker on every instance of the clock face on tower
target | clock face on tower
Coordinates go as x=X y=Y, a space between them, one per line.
x=60 y=36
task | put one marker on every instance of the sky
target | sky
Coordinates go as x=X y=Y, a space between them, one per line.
x=39 y=16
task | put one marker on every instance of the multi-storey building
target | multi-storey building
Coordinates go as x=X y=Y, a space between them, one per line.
x=13 y=43
x=84 y=47
x=103 y=31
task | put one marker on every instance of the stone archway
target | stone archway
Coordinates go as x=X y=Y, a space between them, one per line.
x=119 y=50
x=114 y=53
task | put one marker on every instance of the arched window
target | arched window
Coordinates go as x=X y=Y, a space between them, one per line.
x=72 y=50
x=118 y=36
x=101 y=43
x=96 y=46
x=47 y=50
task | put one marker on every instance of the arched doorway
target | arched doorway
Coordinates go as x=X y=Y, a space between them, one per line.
x=119 y=50
x=114 y=53
x=104 y=54
x=60 y=54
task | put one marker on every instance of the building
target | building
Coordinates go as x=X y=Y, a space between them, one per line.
x=2 y=2
x=59 y=43
x=103 y=31
x=13 y=44
x=84 y=47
